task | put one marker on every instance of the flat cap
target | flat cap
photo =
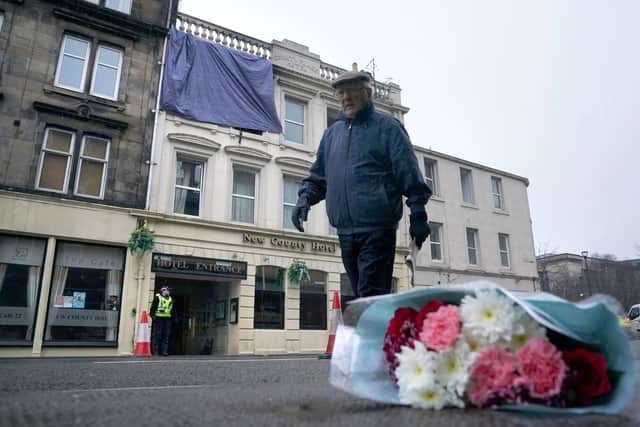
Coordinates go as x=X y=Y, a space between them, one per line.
x=351 y=76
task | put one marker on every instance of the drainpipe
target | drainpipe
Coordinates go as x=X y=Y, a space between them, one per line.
x=156 y=110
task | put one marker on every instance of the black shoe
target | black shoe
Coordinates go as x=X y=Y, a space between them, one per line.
x=165 y=354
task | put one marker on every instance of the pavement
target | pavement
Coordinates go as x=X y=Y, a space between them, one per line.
x=232 y=391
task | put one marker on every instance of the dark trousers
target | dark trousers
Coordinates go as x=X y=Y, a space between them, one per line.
x=161 y=334
x=368 y=259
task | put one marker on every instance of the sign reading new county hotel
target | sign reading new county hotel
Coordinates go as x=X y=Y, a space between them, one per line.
x=166 y=263
x=291 y=244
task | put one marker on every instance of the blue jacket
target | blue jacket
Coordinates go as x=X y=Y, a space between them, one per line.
x=363 y=168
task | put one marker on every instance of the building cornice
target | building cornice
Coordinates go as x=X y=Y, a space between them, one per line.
x=83 y=112
x=199 y=141
x=505 y=275
x=252 y=153
x=294 y=162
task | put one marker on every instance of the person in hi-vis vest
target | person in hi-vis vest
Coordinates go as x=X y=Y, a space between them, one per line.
x=162 y=312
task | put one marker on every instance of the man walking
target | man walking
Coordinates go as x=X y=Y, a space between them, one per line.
x=162 y=313
x=364 y=165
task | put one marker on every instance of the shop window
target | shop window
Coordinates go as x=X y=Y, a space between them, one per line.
x=21 y=260
x=188 y=187
x=289 y=199
x=313 y=301
x=86 y=290
x=346 y=291
x=244 y=196
x=269 y=298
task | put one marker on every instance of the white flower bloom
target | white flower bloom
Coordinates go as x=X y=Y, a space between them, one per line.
x=488 y=317
x=432 y=397
x=416 y=367
x=524 y=329
x=452 y=367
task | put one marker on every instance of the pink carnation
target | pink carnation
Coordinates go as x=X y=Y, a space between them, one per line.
x=541 y=367
x=441 y=328
x=493 y=372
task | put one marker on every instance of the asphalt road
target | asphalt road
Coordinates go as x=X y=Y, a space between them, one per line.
x=190 y=391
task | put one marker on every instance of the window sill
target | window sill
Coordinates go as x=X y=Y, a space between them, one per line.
x=500 y=212
x=297 y=147
x=436 y=198
x=111 y=344
x=475 y=269
x=469 y=205
x=16 y=343
x=116 y=105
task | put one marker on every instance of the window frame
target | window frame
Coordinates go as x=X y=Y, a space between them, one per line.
x=499 y=194
x=475 y=247
x=105 y=166
x=323 y=298
x=304 y=105
x=431 y=164
x=241 y=196
x=69 y=155
x=96 y=64
x=83 y=82
x=468 y=172
x=506 y=251
x=281 y=294
x=285 y=204
x=439 y=226
x=180 y=158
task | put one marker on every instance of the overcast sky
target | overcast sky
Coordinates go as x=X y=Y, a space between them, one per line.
x=547 y=89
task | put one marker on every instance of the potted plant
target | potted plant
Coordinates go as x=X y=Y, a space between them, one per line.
x=298 y=272
x=142 y=239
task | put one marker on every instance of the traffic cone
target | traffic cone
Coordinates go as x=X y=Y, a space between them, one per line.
x=335 y=319
x=143 y=344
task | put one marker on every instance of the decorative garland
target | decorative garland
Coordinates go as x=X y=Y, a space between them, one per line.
x=142 y=239
x=298 y=272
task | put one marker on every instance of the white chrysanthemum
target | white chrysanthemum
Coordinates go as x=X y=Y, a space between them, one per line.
x=452 y=367
x=432 y=397
x=488 y=317
x=416 y=367
x=524 y=329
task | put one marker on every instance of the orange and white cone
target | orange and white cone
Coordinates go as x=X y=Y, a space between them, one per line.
x=335 y=319
x=143 y=343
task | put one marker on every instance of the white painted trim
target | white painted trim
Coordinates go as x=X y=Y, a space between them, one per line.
x=118 y=73
x=84 y=67
x=105 y=164
x=45 y=150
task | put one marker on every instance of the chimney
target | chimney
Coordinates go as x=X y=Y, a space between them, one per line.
x=354 y=66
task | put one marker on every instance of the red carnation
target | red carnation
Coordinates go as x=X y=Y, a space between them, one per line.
x=590 y=372
x=401 y=331
x=430 y=307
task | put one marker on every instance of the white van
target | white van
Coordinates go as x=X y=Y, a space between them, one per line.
x=633 y=317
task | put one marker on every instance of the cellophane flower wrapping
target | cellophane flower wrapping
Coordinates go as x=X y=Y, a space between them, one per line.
x=390 y=355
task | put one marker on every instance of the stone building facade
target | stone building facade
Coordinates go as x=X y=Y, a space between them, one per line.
x=78 y=86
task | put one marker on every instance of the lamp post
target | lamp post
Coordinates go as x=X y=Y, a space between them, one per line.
x=585 y=256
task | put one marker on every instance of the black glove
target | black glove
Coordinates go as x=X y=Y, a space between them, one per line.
x=419 y=229
x=300 y=213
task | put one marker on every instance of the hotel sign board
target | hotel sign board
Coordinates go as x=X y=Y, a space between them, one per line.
x=166 y=263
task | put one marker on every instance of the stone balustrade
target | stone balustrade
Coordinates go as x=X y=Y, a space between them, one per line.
x=217 y=34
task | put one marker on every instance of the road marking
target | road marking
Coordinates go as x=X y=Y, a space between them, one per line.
x=165 y=387
x=132 y=362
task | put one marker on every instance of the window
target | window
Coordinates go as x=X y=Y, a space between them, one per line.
x=346 y=291
x=430 y=175
x=21 y=260
x=244 y=196
x=106 y=72
x=289 y=198
x=188 y=187
x=1 y=20
x=436 y=241
x=294 y=121
x=269 y=298
x=503 y=243
x=55 y=160
x=123 y=6
x=92 y=167
x=467 y=186
x=313 y=301
x=332 y=116
x=496 y=190
x=472 y=245
x=86 y=291
x=72 y=65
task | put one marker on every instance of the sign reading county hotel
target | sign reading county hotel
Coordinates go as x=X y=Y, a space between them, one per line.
x=165 y=263
x=291 y=244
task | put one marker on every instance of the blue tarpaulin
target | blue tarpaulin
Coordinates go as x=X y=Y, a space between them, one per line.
x=211 y=83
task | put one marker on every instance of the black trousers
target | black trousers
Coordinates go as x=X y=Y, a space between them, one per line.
x=161 y=334
x=368 y=259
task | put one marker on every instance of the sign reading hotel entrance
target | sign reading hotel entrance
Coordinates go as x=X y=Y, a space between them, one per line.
x=292 y=244
x=166 y=263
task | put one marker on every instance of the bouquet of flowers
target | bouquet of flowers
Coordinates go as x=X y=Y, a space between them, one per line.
x=484 y=347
